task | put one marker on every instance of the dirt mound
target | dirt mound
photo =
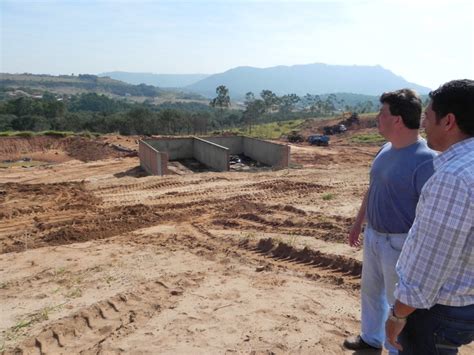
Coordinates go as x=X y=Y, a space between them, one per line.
x=21 y=200
x=75 y=147
x=315 y=257
x=316 y=126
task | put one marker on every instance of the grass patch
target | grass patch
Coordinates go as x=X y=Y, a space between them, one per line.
x=271 y=130
x=368 y=138
x=60 y=134
x=25 y=164
x=39 y=316
x=57 y=133
x=328 y=197
x=24 y=134
x=88 y=134
x=74 y=293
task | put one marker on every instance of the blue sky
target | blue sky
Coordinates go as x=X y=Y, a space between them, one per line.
x=426 y=42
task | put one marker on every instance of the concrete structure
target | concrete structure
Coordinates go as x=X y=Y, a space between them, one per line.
x=151 y=160
x=211 y=151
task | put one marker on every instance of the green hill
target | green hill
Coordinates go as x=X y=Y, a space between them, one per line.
x=85 y=83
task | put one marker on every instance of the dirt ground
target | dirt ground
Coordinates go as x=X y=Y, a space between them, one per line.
x=98 y=258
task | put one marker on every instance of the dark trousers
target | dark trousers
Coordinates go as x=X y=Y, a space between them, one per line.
x=440 y=330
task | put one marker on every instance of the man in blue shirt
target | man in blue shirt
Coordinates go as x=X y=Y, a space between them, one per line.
x=398 y=173
x=435 y=294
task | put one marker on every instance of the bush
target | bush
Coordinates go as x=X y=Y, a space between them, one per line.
x=24 y=134
x=328 y=196
x=88 y=134
x=57 y=133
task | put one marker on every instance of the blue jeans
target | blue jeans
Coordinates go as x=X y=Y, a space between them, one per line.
x=440 y=330
x=381 y=252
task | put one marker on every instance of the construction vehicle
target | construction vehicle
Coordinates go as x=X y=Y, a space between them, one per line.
x=339 y=128
x=319 y=140
x=295 y=137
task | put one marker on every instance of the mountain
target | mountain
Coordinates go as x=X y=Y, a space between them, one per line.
x=160 y=80
x=315 y=78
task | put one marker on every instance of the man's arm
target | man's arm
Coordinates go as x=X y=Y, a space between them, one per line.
x=435 y=243
x=356 y=228
x=396 y=323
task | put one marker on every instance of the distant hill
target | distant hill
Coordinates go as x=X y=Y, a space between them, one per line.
x=86 y=83
x=301 y=79
x=161 y=80
x=69 y=84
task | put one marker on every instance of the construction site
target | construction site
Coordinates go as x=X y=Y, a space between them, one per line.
x=109 y=245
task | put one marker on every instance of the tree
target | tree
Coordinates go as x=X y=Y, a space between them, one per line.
x=222 y=100
x=6 y=122
x=139 y=120
x=200 y=121
x=312 y=103
x=288 y=102
x=270 y=99
x=254 y=110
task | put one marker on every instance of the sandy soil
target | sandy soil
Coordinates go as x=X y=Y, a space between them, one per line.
x=96 y=258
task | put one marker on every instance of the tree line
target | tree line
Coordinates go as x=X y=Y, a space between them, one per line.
x=271 y=107
x=99 y=113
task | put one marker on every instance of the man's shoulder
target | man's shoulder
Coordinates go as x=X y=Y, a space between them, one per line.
x=422 y=150
x=461 y=166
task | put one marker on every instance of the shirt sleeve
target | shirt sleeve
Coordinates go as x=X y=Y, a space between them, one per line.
x=422 y=173
x=436 y=240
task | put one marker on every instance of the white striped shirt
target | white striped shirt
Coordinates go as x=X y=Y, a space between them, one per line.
x=436 y=265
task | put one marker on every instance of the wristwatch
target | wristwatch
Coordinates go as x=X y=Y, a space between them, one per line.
x=395 y=318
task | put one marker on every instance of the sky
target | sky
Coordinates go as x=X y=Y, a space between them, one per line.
x=425 y=42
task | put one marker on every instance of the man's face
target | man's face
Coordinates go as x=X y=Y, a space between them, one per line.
x=433 y=129
x=385 y=121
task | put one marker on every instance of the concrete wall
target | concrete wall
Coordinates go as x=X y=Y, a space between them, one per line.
x=211 y=154
x=234 y=143
x=211 y=151
x=152 y=161
x=177 y=148
x=273 y=154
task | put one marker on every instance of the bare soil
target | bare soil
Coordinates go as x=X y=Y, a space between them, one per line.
x=98 y=258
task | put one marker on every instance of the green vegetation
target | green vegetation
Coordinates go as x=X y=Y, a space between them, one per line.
x=39 y=316
x=368 y=138
x=328 y=196
x=269 y=116
x=273 y=130
x=79 y=83
x=47 y=133
x=25 y=164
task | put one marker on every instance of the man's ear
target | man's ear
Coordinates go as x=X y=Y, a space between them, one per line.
x=450 y=122
x=399 y=120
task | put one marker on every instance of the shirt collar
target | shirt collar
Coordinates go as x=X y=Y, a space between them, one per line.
x=462 y=147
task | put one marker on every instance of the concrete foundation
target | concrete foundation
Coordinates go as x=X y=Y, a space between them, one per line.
x=151 y=160
x=211 y=151
x=273 y=154
x=211 y=154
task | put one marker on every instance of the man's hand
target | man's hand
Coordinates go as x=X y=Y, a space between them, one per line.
x=392 y=331
x=354 y=235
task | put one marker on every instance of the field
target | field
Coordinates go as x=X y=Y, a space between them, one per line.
x=98 y=258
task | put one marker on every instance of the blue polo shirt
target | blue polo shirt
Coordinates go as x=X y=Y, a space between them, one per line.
x=396 y=179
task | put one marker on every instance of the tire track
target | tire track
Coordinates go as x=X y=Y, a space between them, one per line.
x=93 y=329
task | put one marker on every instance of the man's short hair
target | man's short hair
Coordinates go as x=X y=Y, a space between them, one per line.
x=405 y=103
x=456 y=97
